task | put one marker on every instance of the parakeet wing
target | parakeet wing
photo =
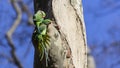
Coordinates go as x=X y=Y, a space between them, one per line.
x=46 y=21
x=43 y=29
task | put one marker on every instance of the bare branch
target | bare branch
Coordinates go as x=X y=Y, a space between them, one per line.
x=10 y=32
x=25 y=9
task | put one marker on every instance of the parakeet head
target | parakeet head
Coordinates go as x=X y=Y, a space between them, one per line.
x=39 y=15
x=38 y=18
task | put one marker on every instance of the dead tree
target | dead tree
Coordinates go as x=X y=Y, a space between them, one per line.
x=67 y=31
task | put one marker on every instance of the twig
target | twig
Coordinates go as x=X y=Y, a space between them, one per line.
x=10 y=32
x=25 y=9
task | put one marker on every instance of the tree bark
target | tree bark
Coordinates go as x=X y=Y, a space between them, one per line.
x=67 y=31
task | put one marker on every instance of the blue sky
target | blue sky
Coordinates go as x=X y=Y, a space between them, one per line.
x=102 y=26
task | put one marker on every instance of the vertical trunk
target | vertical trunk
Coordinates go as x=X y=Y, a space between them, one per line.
x=67 y=31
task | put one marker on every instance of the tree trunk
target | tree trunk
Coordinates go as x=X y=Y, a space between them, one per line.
x=67 y=31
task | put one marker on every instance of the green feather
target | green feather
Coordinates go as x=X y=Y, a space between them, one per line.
x=40 y=34
x=43 y=29
x=47 y=21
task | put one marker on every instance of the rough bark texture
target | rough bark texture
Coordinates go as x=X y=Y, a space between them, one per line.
x=67 y=31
